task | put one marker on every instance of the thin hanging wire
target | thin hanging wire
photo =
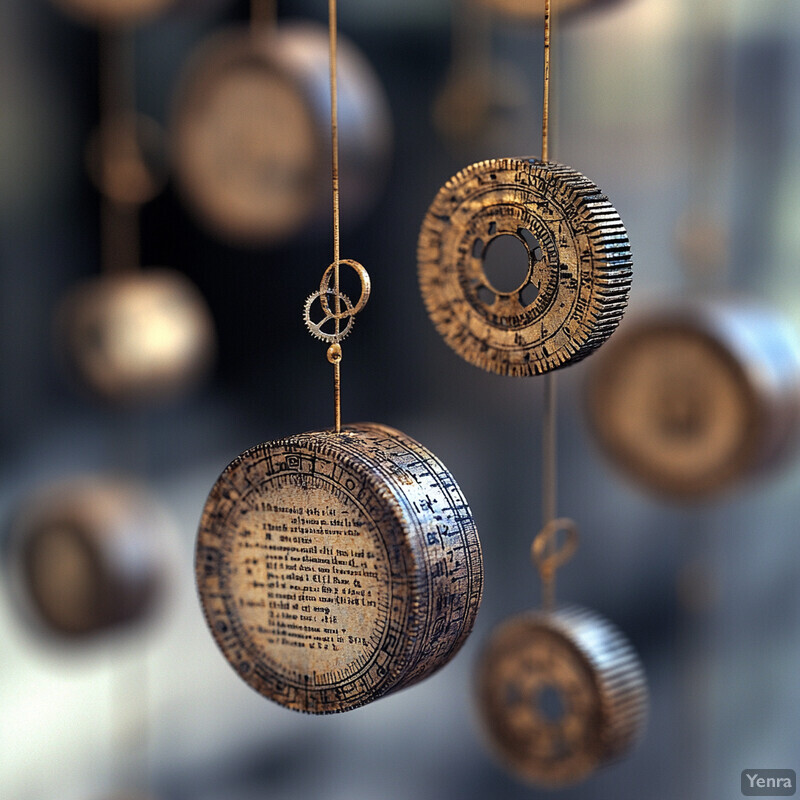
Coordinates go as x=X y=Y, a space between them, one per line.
x=119 y=223
x=550 y=526
x=120 y=251
x=546 y=97
x=335 y=352
x=549 y=450
x=703 y=230
x=129 y=691
x=549 y=432
x=334 y=149
x=549 y=455
x=342 y=307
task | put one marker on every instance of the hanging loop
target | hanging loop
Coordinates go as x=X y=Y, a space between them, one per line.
x=547 y=555
x=325 y=289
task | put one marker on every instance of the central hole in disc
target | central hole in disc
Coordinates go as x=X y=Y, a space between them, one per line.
x=506 y=263
x=550 y=704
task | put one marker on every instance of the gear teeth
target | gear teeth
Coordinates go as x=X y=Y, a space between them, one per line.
x=568 y=320
x=581 y=649
x=306 y=313
x=346 y=332
x=315 y=328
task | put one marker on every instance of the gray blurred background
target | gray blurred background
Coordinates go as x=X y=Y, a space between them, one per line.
x=653 y=99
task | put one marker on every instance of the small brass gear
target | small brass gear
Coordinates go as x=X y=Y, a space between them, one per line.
x=315 y=328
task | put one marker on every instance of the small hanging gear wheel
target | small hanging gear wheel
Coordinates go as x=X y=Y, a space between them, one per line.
x=337 y=308
x=560 y=694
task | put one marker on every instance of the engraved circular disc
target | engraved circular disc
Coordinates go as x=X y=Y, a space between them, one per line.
x=689 y=400
x=560 y=695
x=572 y=290
x=247 y=148
x=84 y=555
x=137 y=337
x=251 y=132
x=333 y=569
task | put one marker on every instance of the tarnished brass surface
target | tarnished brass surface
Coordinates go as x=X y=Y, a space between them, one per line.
x=573 y=289
x=336 y=568
x=85 y=555
x=560 y=694
x=251 y=132
x=690 y=399
x=137 y=337
x=105 y=13
x=534 y=9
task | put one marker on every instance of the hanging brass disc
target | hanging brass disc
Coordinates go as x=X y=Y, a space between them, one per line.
x=137 y=337
x=85 y=556
x=572 y=290
x=251 y=133
x=560 y=694
x=112 y=13
x=690 y=399
x=336 y=568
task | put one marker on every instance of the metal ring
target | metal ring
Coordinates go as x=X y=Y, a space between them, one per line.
x=549 y=562
x=325 y=290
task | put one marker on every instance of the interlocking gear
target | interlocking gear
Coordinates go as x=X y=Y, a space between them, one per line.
x=315 y=328
x=332 y=310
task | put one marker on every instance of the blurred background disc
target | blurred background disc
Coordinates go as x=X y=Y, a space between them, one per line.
x=688 y=400
x=251 y=133
x=85 y=555
x=137 y=337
